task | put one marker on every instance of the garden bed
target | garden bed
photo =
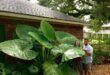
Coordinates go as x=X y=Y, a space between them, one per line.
x=101 y=69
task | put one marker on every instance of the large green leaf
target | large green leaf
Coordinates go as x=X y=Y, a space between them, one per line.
x=23 y=30
x=66 y=70
x=41 y=39
x=68 y=51
x=64 y=37
x=48 y=30
x=60 y=49
x=19 y=49
x=72 y=53
x=51 y=69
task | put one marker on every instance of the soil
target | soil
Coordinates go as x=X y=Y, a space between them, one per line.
x=101 y=69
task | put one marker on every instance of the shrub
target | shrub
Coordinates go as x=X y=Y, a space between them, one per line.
x=101 y=57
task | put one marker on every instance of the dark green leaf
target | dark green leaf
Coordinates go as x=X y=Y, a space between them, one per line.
x=64 y=37
x=48 y=30
x=23 y=30
x=41 y=39
x=19 y=49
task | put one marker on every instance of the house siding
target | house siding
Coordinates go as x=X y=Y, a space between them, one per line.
x=73 y=29
x=10 y=25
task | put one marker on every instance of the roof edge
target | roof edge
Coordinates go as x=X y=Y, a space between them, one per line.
x=30 y=17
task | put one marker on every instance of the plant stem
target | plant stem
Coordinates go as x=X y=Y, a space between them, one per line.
x=43 y=53
x=3 y=72
x=47 y=54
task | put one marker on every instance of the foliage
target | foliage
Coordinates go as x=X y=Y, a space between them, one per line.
x=22 y=31
x=18 y=48
x=65 y=37
x=67 y=70
x=51 y=68
x=72 y=53
x=48 y=31
x=97 y=9
x=33 y=69
x=96 y=24
x=15 y=69
x=68 y=6
x=100 y=41
x=101 y=57
x=40 y=49
x=41 y=39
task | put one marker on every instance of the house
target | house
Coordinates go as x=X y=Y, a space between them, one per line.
x=105 y=29
x=103 y=33
x=27 y=12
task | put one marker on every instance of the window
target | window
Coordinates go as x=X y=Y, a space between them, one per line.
x=2 y=32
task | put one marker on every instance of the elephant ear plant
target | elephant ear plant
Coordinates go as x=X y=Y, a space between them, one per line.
x=49 y=50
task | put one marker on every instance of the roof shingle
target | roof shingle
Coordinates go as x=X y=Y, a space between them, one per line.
x=28 y=8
